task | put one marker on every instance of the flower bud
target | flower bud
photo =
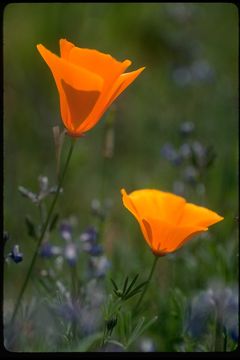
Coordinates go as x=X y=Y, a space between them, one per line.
x=15 y=254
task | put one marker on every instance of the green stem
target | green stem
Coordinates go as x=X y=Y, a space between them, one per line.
x=40 y=213
x=74 y=283
x=44 y=229
x=74 y=297
x=147 y=284
x=225 y=340
x=218 y=337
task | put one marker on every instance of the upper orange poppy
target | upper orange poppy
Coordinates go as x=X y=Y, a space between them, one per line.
x=167 y=221
x=88 y=81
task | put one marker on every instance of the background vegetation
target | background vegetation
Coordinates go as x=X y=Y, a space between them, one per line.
x=190 y=52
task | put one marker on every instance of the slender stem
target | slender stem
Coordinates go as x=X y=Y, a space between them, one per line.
x=74 y=283
x=218 y=337
x=74 y=297
x=40 y=213
x=44 y=229
x=225 y=340
x=147 y=284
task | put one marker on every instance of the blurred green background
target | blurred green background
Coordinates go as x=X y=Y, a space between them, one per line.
x=191 y=56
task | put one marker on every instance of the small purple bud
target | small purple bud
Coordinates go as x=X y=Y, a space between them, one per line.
x=95 y=250
x=190 y=175
x=90 y=235
x=186 y=128
x=170 y=154
x=99 y=265
x=97 y=209
x=70 y=254
x=89 y=242
x=43 y=183
x=15 y=254
x=47 y=250
x=66 y=231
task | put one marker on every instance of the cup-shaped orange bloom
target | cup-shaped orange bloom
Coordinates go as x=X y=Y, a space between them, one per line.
x=88 y=81
x=167 y=221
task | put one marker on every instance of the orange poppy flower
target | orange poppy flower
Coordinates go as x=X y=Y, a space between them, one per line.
x=88 y=81
x=167 y=221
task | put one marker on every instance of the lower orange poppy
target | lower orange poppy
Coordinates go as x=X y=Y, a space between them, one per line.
x=167 y=221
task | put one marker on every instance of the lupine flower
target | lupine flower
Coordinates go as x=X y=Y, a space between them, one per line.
x=217 y=302
x=90 y=235
x=185 y=151
x=190 y=175
x=99 y=266
x=88 y=81
x=170 y=154
x=70 y=253
x=167 y=221
x=200 y=312
x=15 y=254
x=66 y=231
x=227 y=309
x=89 y=242
x=67 y=311
x=48 y=250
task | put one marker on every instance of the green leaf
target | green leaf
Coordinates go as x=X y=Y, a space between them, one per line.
x=121 y=327
x=114 y=284
x=136 y=331
x=139 y=329
x=149 y=323
x=131 y=285
x=136 y=290
x=115 y=342
x=132 y=294
x=88 y=342
x=28 y=194
x=125 y=285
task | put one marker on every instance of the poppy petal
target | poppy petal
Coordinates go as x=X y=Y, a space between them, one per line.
x=198 y=215
x=75 y=97
x=150 y=202
x=65 y=47
x=76 y=78
x=129 y=204
x=121 y=84
x=123 y=81
x=166 y=220
x=103 y=65
x=165 y=238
